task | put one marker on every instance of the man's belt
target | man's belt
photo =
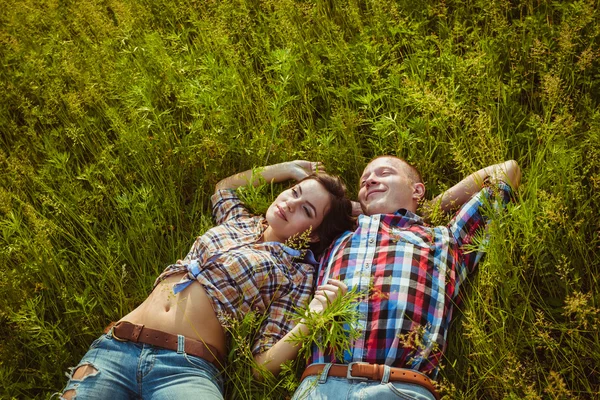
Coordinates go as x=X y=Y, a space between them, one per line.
x=126 y=331
x=373 y=372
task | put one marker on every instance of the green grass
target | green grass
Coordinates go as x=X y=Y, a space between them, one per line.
x=117 y=118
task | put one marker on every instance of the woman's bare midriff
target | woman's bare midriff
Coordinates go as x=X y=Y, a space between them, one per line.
x=188 y=313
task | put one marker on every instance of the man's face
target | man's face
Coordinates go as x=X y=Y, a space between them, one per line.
x=385 y=187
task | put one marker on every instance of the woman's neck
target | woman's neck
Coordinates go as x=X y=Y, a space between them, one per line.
x=270 y=236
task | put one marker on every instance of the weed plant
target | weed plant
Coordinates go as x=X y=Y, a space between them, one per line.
x=118 y=117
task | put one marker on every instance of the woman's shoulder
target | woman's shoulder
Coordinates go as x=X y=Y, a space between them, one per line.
x=226 y=206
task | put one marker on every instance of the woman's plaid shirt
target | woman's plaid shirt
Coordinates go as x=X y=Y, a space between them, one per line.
x=410 y=274
x=240 y=273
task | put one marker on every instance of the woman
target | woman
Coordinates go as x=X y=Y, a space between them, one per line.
x=173 y=344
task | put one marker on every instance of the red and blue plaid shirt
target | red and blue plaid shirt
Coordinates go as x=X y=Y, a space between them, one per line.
x=241 y=273
x=410 y=274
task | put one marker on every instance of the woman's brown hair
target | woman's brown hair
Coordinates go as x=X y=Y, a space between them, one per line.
x=339 y=216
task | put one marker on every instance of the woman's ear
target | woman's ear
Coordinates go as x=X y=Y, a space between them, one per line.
x=314 y=238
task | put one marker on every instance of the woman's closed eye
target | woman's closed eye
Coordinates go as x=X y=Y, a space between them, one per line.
x=307 y=211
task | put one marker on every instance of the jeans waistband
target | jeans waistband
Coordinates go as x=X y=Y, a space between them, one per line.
x=126 y=331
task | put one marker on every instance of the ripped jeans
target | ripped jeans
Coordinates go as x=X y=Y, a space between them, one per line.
x=125 y=370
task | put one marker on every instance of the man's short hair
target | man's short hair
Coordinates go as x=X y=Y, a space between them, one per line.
x=412 y=173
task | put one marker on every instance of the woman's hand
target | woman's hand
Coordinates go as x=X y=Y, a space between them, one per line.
x=287 y=348
x=296 y=170
x=326 y=294
x=302 y=168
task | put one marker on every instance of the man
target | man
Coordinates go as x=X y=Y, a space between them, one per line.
x=411 y=274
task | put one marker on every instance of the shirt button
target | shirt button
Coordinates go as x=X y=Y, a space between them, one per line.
x=367 y=264
x=371 y=240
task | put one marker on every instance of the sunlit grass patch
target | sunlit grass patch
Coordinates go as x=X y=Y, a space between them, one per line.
x=118 y=118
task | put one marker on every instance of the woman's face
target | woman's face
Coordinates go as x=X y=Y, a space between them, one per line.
x=297 y=209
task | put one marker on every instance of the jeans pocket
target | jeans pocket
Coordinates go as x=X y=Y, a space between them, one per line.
x=205 y=368
x=97 y=342
x=306 y=388
x=401 y=392
x=200 y=363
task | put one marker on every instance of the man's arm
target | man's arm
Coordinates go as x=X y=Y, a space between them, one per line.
x=460 y=193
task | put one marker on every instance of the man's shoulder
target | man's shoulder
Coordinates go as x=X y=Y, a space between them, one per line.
x=337 y=243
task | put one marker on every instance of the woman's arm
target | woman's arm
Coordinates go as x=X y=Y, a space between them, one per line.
x=284 y=350
x=460 y=193
x=296 y=170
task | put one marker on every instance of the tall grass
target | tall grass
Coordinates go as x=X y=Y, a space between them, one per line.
x=118 y=117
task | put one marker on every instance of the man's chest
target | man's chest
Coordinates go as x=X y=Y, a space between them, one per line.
x=392 y=257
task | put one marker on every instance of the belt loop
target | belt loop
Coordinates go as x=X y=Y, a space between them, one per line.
x=386 y=374
x=323 y=376
x=180 y=344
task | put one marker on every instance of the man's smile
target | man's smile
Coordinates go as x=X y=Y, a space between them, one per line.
x=374 y=191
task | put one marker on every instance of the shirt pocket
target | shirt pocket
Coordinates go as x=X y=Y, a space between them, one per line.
x=402 y=236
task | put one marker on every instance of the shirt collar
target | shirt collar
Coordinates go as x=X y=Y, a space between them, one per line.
x=306 y=255
x=308 y=258
x=401 y=218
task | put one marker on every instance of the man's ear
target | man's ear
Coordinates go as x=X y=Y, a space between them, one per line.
x=418 y=191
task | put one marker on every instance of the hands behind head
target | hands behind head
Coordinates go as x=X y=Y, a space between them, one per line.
x=326 y=294
x=356 y=209
x=303 y=168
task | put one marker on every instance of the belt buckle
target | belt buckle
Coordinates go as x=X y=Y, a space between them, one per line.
x=112 y=333
x=349 y=373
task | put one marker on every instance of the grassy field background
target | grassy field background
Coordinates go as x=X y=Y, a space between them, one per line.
x=118 y=117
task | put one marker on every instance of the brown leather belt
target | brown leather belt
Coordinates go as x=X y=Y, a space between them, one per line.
x=373 y=372
x=126 y=331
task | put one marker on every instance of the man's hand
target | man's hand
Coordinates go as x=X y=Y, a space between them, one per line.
x=356 y=209
x=460 y=193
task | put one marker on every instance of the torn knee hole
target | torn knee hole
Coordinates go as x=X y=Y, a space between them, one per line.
x=84 y=370
x=69 y=394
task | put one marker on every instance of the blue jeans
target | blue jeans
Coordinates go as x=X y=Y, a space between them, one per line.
x=126 y=370
x=322 y=387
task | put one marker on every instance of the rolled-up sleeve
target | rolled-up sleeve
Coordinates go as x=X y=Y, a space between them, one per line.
x=469 y=224
x=227 y=205
x=278 y=321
